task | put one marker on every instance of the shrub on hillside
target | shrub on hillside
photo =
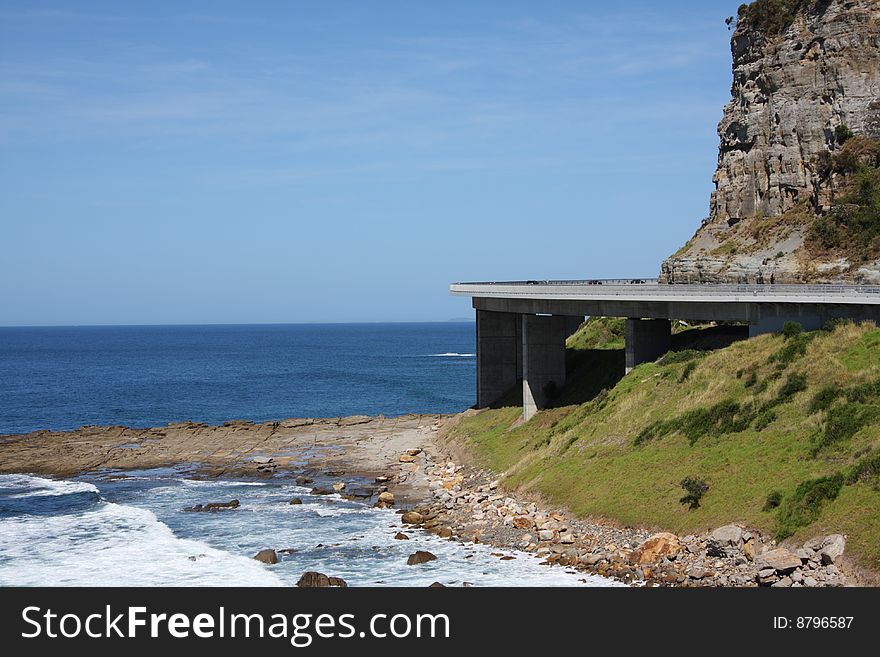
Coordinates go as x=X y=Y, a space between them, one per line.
x=864 y=393
x=764 y=419
x=793 y=385
x=823 y=399
x=793 y=349
x=792 y=329
x=843 y=422
x=804 y=505
x=694 y=488
x=727 y=416
x=687 y=371
x=866 y=469
x=833 y=324
x=774 y=499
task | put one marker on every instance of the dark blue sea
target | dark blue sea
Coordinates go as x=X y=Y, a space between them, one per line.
x=131 y=527
x=142 y=376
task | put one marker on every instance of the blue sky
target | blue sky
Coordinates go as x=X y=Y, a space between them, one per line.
x=230 y=162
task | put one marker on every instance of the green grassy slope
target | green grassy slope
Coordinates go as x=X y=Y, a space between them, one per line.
x=798 y=415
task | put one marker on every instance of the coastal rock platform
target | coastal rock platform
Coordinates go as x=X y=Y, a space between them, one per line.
x=402 y=463
x=335 y=449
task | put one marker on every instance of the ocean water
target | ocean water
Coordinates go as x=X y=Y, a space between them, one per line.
x=141 y=376
x=129 y=529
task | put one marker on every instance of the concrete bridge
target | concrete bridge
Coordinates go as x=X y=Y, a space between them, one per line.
x=522 y=325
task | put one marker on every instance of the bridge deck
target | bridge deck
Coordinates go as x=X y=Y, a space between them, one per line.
x=653 y=290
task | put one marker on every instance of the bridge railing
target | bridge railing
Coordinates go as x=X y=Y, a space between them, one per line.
x=586 y=281
x=652 y=286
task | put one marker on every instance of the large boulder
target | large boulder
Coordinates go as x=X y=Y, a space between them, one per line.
x=266 y=556
x=523 y=522
x=420 y=556
x=814 y=544
x=766 y=576
x=592 y=559
x=832 y=548
x=412 y=518
x=781 y=560
x=656 y=547
x=724 y=541
x=312 y=579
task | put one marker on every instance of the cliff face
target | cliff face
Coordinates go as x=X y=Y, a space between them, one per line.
x=799 y=95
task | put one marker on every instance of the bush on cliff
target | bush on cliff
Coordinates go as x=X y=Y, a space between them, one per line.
x=842 y=133
x=771 y=16
x=852 y=225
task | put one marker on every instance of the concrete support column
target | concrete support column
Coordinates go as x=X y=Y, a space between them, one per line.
x=646 y=340
x=499 y=355
x=543 y=349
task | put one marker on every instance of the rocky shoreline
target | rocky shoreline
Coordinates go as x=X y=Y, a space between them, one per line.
x=400 y=463
x=467 y=505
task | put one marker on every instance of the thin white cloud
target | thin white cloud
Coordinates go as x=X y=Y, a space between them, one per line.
x=430 y=95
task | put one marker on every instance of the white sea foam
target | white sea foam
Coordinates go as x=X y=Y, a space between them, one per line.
x=453 y=354
x=112 y=545
x=127 y=544
x=203 y=483
x=41 y=487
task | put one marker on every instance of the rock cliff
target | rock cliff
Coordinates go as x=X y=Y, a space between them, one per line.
x=797 y=195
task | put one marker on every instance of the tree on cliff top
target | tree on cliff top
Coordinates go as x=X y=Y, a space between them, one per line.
x=771 y=16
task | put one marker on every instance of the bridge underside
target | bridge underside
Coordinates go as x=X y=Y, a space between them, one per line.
x=522 y=341
x=765 y=317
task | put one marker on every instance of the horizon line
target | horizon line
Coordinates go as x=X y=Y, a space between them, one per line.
x=454 y=320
